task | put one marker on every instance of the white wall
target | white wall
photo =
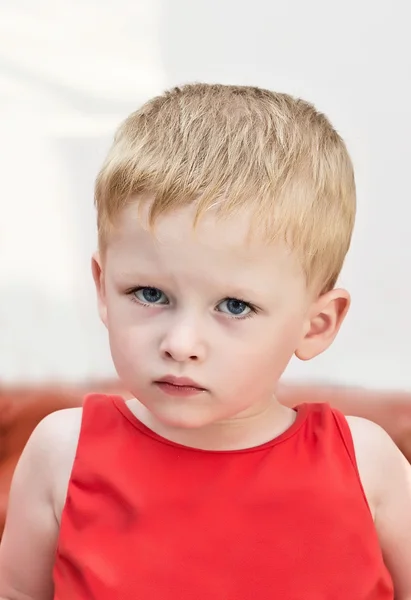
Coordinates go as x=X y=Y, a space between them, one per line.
x=69 y=72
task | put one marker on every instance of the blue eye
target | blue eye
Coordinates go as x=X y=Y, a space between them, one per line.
x=234 y=307
x=150 y=295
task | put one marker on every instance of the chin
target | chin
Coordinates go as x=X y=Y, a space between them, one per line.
x=184 y=421
x=179 y=418
x=175 y=412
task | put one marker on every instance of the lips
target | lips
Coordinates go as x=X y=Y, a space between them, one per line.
x=180 y=382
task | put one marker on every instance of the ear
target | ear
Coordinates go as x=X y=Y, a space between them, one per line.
x=323 y=323
x=98 y=276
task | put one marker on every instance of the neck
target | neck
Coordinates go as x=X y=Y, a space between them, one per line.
x=237 y=433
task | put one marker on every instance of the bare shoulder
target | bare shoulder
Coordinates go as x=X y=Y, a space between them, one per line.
x=58 y=425
x=57 y=436
x=371 y=444
x=37 y=496
x=369 y=439
x=50 y=451
x=61 y=426
x=386 y=477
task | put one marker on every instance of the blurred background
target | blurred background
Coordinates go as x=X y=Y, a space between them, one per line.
x=71 y=71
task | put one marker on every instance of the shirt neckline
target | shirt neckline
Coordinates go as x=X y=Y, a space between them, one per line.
x=302 y=413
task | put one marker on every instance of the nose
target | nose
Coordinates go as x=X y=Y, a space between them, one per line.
x=183 y=342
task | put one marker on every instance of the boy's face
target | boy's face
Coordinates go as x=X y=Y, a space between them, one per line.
x=212 y=305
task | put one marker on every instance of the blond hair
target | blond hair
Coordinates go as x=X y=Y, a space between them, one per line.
x=235 y=147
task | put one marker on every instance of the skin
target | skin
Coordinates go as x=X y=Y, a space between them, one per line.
x=190 y=332
x=188 y=329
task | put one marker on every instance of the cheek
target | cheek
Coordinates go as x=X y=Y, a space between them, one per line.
x=125 y=320
x=263 y=355
x=129 y=339
x=130 y=343
x=129 y=353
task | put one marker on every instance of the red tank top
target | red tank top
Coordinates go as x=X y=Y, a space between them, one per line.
x=146 y=518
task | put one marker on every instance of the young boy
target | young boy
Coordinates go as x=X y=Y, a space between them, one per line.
x=224 y=216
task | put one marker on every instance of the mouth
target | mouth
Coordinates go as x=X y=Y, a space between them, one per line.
x=179 y=386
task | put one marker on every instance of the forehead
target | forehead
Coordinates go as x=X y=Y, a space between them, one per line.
x=218 y=244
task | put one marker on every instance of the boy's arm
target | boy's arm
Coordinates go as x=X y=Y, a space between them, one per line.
x=28 y=545
x=386 y=477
